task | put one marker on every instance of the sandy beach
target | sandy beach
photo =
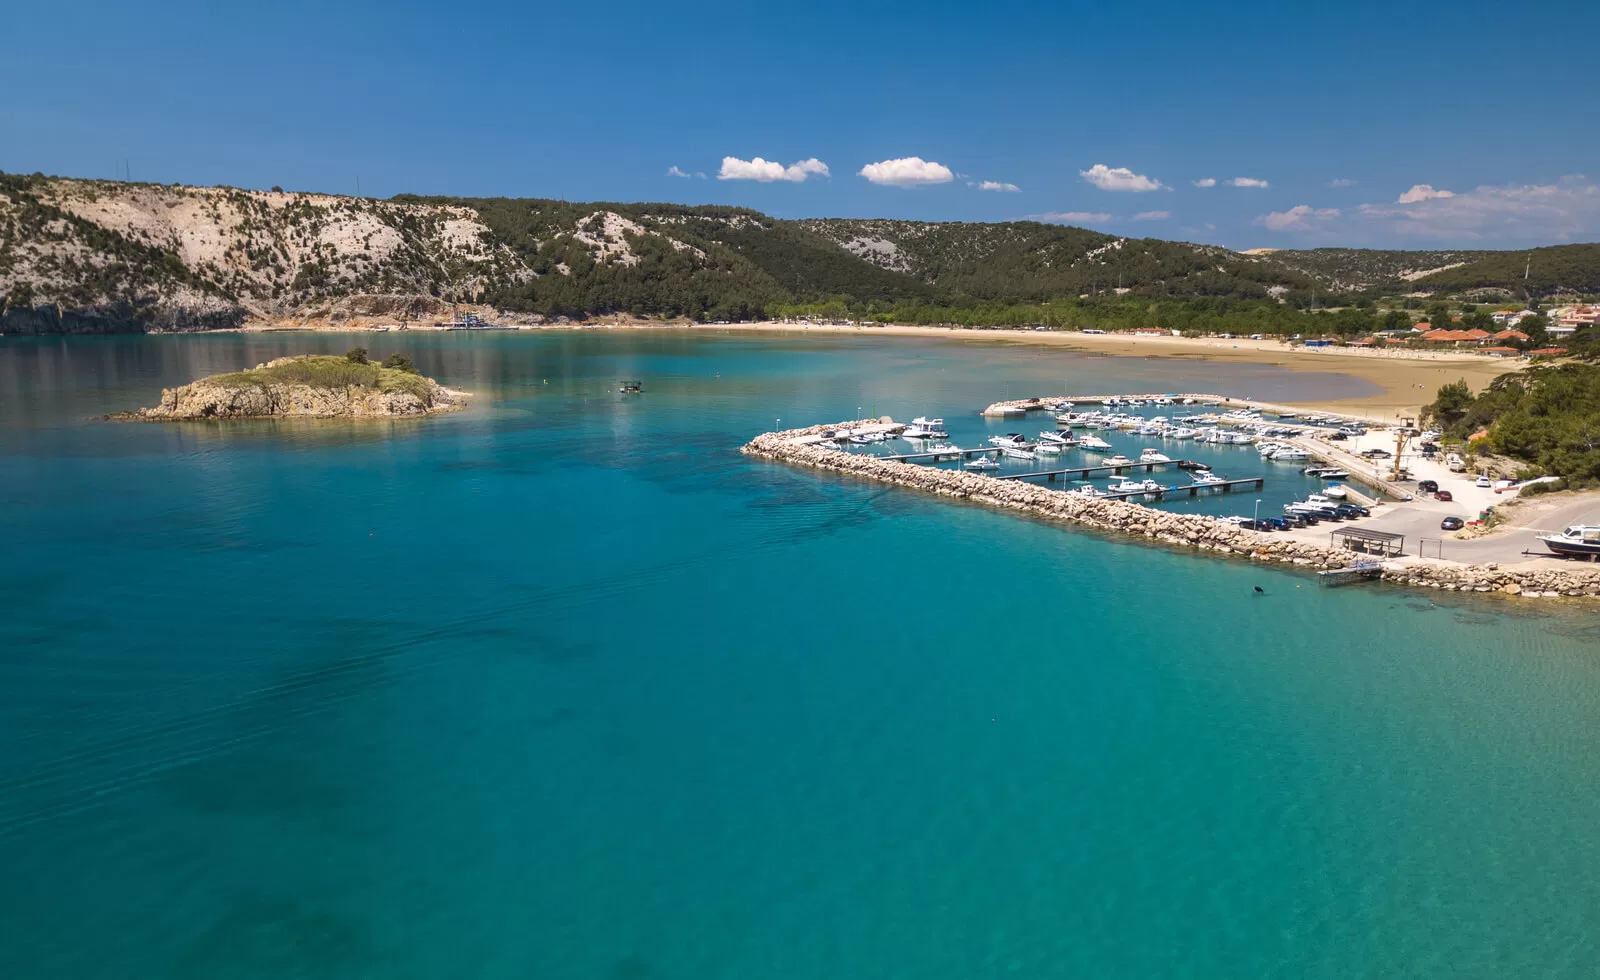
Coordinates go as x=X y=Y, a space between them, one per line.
x=1408 y=379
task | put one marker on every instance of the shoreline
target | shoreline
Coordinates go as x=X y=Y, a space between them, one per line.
x=1406 y=380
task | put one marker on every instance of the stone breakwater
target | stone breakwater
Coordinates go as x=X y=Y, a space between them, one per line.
x=1117 y=516
x=1191 y=531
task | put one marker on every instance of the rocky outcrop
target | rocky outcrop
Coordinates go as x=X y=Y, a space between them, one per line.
x=242 y=396
x=1177 y=530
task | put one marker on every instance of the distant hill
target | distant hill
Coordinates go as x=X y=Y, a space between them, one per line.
x=95 y=256
x=1558 y=269
x=1367 y=269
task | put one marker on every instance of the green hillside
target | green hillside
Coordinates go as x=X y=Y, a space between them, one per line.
x=1536 y=272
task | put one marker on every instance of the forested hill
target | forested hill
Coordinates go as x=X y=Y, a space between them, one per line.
x=93 y=256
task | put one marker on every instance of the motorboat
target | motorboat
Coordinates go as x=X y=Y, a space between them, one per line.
x=981 y=464
x=1093 y=442
x=1136 y=486
x=1196 y=466
x=1009 y=440
x=944 y=451
x=1014 y=452
x=1088 y=490
x=1289 y=454
x=1117 y=460
x=1055 y=439
x=1325 y=472
x=1335 y=492
x=1578 y=539
x=1154 y=456
x=1047 y=449
x=1206 y=478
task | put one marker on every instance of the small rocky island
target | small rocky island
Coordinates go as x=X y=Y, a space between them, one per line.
x=320 y=386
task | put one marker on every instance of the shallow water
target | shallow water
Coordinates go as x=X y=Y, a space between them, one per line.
x=562 y=686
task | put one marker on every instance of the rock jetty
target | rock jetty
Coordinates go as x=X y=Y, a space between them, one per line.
x=304 y=387
x=1190 y=531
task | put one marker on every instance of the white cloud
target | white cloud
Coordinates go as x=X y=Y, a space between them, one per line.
x=675 y=172
x=767 y=171
x=1341 y=182
x=907 y=172
x=1423 y=192
x=1206 y=182
x=994 y=185
x=1152 y=216
x=1248 y=182
x=1562 y=211
x=1069 y=217
x=1119 y=179
x=1303 y=217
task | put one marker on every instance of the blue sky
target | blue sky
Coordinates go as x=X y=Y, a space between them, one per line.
x=1343 y=110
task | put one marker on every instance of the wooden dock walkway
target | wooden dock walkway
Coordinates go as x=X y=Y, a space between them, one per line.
x=1081 y=472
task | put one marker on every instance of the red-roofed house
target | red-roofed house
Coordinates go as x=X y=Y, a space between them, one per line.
x=1547 y=352
x=1455 y=336
x=1501 y=351
x=1516 y=335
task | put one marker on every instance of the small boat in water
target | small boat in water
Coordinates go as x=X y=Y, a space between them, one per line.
x=1154 y=456
x=1009 y=440
x=1015 y=452
x=944 y=451
x=1056 y=439
x=1335 y=491
x=1117 y=460
x=1206 y=478
x=981 y=464
x=631 y=387
x=1093 y=442
x=1047 y=449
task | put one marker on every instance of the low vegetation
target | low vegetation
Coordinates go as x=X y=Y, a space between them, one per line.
x=331 y=371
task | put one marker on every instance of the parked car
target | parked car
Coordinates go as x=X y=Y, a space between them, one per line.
x=1483 y=482
x=1452 y=524
x=1377 y=454
x=1428 y=486
x=1352 y=510
x=1337 y=436
x=1444 y=495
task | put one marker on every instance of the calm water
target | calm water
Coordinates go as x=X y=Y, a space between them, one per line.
x=562 y=686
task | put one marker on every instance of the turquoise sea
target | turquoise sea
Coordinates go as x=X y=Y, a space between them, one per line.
x=564 y=687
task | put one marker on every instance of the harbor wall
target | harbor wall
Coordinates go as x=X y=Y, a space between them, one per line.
x=1191 y=531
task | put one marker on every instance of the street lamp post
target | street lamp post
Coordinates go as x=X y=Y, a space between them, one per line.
x=1257 y=518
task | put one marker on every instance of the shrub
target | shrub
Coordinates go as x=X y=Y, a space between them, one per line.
x=356 y=355
x=400 y=362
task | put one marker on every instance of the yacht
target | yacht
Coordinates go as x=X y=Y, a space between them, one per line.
x=1578 y=539
x=1335 y=491
x=1206 y=478
x=1179 y=432
x=1117 y=460
x=980 y=464
x=1289 y=454
x=1014 y=452
x=1047 y=449
x=1154 y=456
x=944 y=451
x=1094 y=442
x=1055 y=439
x=1135 y=486
x=1325 y=472
x=1009 y=441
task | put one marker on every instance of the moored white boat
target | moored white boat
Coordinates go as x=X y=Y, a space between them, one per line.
x=1154 y=456
x=1093 y=442
x=980 y=464
x=1015 y=452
